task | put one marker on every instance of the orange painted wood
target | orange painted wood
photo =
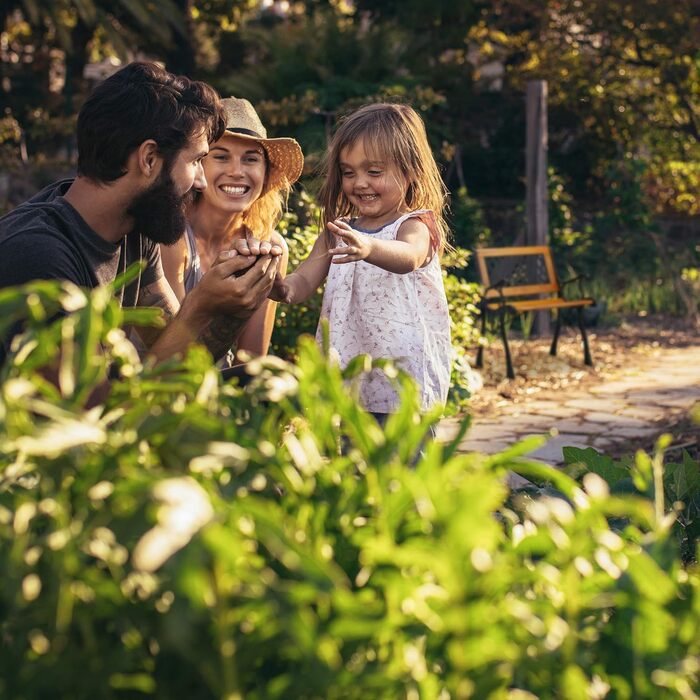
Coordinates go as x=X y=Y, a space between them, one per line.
x=525 y=290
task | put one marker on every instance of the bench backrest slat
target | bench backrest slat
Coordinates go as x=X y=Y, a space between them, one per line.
x=527 y=270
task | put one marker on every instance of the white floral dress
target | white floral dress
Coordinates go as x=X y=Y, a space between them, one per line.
x=388 y=315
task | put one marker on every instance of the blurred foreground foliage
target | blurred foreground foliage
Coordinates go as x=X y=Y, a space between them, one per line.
x=189 y=538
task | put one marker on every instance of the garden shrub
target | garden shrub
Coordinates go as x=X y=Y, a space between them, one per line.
x=189 y=538
x=635 y=474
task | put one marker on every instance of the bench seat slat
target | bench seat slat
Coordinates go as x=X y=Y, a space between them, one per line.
x=536 y=304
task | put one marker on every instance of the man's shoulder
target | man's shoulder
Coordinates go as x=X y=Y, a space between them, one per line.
x=35 y=242
x=43 y=214
x=35 y=253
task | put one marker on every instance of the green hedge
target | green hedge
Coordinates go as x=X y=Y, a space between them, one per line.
x=192 y=539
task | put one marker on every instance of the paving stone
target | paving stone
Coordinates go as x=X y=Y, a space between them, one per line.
x=613 y=388
x=535 y=406
x=683 y=402
x=488 y=447
x=612 y=419
x=645 y=413
x=527 y=430
x=491 y=431
x=666 y=397
x=558 y=411
x=596 y=404
x=602 y=443
x=643 y=432
x=531 y=419
x=447 y=429
x=578 y=427
x=552 y=451
x=658 y=383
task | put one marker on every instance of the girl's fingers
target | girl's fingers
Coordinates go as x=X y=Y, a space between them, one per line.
x=343 y=250
x=341 y=228
x=344 y=260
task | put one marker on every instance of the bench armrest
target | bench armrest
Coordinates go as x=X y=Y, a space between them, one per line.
x=497 y=286
x=578 y=278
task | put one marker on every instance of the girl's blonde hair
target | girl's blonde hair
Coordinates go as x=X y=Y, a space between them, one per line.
x=395 y=134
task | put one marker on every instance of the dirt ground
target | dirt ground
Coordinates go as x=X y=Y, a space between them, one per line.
x=631 y=342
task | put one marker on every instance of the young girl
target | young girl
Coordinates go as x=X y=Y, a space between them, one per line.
x=247 y=175
x=383 y=201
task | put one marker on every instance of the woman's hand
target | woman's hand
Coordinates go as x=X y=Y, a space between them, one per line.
x=358 y=246
x=250 y=245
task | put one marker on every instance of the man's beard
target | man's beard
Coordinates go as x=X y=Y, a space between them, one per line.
x=159 y=213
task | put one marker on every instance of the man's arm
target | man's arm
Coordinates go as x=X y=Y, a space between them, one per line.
x=217 y=309
x=158 y=295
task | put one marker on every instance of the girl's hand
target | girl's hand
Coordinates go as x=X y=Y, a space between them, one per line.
x=358 y=245
x=281 y=290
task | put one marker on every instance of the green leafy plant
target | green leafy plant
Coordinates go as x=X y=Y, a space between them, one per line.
x=673 y=486
x=191 y=538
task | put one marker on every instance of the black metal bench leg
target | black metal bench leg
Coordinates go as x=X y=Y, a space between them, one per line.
x=480 y=351
x=555 y=337
x=504 y=336
x=587 y=360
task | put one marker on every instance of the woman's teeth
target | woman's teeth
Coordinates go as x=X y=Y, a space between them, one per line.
x=234 y=189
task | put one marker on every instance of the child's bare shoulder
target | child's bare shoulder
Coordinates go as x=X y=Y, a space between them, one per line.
x=414 y=226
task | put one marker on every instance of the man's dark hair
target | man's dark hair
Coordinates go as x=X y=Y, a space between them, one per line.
x=139 y=102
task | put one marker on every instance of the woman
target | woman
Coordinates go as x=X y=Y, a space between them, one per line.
x=248 y=175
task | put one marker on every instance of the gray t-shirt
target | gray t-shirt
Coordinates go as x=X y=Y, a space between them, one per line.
x=46 y=238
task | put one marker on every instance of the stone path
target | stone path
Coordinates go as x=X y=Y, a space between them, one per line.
x=639 y=404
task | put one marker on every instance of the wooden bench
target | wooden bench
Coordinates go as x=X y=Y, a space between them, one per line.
x=516 y=281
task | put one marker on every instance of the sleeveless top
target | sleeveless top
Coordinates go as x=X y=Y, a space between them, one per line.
x=193 y=269
x=403 y=317
x=192 y=274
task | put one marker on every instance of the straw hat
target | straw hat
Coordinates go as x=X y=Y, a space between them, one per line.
x=284 y=154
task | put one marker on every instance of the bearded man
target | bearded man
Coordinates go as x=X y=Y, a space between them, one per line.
x=141 y=138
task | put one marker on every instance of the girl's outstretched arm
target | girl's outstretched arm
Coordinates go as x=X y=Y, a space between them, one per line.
x=307 y=278
x=411 y=249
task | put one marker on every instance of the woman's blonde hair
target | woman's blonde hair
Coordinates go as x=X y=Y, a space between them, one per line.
x=396 y=134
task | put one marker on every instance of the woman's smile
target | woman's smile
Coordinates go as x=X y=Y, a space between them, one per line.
x=235 y=190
